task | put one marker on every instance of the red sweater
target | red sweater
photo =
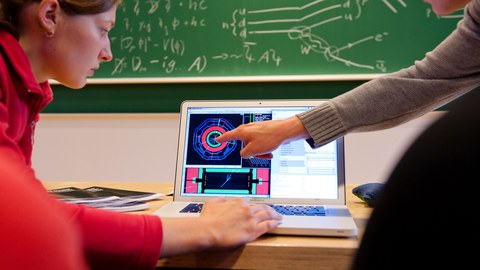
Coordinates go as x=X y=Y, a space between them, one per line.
x=34 y=234
x=110 y=240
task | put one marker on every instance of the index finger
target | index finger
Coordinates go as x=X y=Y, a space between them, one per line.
x=227 y=136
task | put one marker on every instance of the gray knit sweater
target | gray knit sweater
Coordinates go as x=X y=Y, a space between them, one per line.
x=447 y=72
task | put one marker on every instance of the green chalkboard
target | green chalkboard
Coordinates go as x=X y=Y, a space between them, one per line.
x=167 y=97
x=164 y=39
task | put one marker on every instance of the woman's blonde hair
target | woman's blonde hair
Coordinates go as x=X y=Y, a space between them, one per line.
x=10 y=10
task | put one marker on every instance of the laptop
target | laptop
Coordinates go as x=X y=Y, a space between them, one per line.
x=305 y=185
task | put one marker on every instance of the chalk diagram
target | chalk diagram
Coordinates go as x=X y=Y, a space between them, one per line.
x=253 y=38
x=204 y=139
x=304 y=24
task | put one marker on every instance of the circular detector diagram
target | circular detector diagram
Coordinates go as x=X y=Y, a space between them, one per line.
x=204 y=139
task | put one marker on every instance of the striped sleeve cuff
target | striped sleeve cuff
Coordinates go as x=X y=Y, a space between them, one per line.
x=323 y=124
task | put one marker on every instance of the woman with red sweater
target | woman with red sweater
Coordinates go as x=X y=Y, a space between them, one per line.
x=66 y=41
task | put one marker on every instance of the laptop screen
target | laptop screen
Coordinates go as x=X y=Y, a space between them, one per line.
x=211 y=169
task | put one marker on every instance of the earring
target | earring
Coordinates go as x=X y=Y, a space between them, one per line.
x=48 y=34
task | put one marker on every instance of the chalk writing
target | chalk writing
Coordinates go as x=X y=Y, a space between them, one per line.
x=177 y=38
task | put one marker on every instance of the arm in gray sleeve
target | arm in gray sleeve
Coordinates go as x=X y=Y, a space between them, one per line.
x=447 y=72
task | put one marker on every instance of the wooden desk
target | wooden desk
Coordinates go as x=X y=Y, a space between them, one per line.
x=267 y=252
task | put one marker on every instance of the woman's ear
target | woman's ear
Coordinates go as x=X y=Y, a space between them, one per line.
x=48 y=13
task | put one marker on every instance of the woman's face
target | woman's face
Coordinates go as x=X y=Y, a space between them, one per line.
x=442 y=7
x=79 y=45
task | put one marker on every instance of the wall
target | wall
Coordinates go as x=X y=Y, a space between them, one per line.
x=142 y=147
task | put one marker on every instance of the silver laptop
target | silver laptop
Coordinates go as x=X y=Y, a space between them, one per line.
x=306 y=185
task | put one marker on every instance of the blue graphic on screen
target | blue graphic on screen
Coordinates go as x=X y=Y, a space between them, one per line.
x=204 y=139
x=202 y=133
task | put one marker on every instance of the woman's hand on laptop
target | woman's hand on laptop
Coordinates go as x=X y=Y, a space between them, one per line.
x=262 y=138
x=234 y=222
x=223 y=223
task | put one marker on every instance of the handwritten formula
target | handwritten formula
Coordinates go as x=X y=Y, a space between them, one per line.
x=201 y=38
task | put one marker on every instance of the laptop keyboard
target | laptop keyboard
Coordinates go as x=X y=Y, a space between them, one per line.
x=289 y=210
x=192 y=208
x=299 y=210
